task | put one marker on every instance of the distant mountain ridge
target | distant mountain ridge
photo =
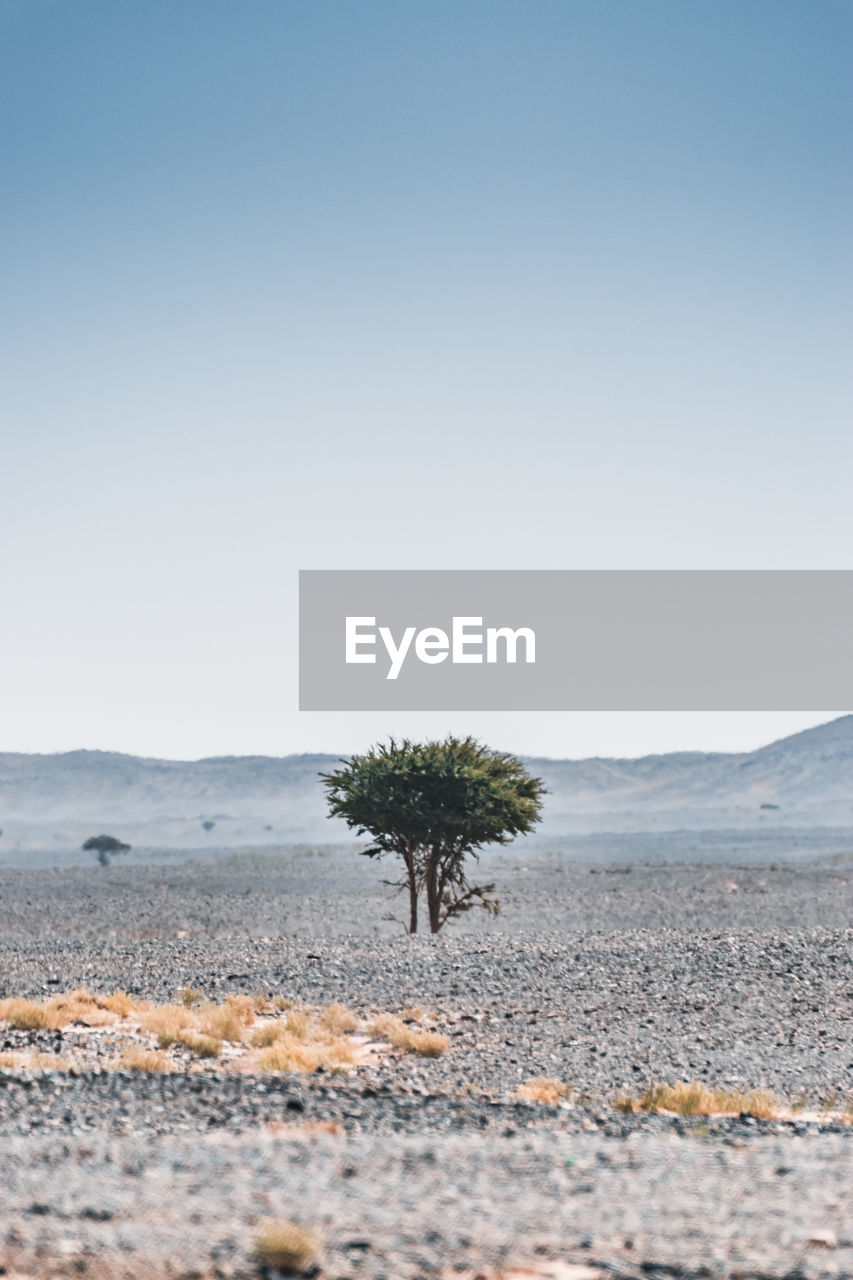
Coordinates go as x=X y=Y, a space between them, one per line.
x=56 y=801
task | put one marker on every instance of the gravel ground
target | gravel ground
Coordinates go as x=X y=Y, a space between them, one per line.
x=338 y=893
x=606 y=978
x=413 y=1205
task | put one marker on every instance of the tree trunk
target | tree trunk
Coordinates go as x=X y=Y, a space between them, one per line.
x=408 y=858
x=413 y=904
x=433 y=895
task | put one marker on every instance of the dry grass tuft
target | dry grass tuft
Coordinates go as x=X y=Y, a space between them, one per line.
x=544 y=1089
x=135 y=1058
x=284 y=1244
x=338 y=1018
x=26 y=1015
x=201 y=1045
x=57 y=1012
x=388 y=1027
x=222 y=1022
x=119 y=1002
x=243 y=1006
x=291 y=1037
x=304 y=1040
x=287 y=1053
x=339 y=1052
x=297 y=1023
x=48 y=1062
x=263 y=1037
x=34 y=1062
x=696 y=1099
x=172 y=1023
x=97 y=1017
x=167 y=1022
x=190 y=995
x=82 y=1007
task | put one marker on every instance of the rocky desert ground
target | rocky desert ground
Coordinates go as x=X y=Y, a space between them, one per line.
x=606 y=978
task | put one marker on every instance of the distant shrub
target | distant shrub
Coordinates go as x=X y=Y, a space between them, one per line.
x=103 y=846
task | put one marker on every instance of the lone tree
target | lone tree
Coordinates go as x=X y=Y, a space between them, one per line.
x=103 y=846
x=432 y=804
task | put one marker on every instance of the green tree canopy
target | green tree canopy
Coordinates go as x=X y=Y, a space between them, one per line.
x=433 y=804
x=103 y=846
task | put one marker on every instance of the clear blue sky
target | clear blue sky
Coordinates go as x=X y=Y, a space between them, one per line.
x=334 y=285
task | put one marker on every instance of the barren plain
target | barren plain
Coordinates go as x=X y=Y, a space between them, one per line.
x=607 y=977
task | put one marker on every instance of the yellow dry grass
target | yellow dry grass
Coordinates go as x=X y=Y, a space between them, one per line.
x=61 y=1010
x=26 y=1015
x=135 y=1058
x=190 y=995
x=289 y=1038
x=697 y=1099
x=319 y=1047
x=338 y=1018
x=289 y=1055
x=48 y=1062
x=34 y=1062
x=201 y=1045
x=297 y=1023
x=224 y=1021
x=304 y=1039
x=388 y=1027
x=244 y=1006
x=545 y=1089
x=121 y=1003
x=167 y=1022
x=284 y=1244
x=177 y=1023
x=263 y=1037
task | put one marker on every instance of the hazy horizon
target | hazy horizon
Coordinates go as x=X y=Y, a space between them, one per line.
x=785 y=724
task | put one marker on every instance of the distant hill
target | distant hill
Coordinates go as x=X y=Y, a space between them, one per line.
x=53 y=802
x=802 y=780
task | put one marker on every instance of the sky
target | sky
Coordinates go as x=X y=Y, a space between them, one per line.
x=491 y=284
